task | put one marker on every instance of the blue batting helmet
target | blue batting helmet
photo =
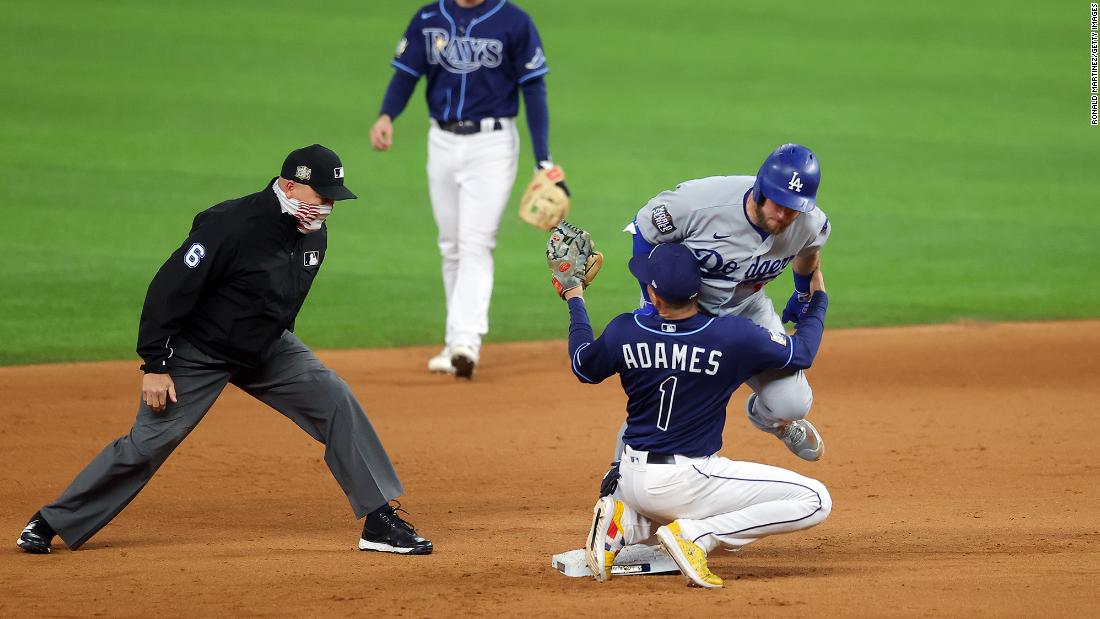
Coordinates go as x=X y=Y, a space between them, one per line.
x=789 y=177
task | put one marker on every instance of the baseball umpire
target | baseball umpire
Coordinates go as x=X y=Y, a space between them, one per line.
x=679 y=368
x=476 y=55
x=219 y=311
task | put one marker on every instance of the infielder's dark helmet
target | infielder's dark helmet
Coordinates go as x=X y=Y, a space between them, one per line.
x=789 y=177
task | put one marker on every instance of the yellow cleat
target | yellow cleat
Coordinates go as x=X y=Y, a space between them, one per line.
x=688 y=556
x=605 y=539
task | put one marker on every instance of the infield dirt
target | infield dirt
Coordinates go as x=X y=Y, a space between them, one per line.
x=961 y=459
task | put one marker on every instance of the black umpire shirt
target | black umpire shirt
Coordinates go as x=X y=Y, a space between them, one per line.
x=234 y=285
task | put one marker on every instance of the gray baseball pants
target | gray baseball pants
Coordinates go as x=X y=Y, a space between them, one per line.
x=291 y=380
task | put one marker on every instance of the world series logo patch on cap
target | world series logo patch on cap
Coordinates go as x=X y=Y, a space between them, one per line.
x=303 y=173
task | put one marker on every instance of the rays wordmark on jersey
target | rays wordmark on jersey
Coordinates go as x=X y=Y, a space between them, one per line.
x=461 y=54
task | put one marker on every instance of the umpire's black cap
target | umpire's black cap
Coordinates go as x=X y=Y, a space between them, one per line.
x=320 y=168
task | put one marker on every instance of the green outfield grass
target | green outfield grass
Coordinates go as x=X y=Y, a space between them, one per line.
x=959 y=167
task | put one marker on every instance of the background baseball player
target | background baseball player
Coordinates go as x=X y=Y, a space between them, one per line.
x=476 y=55
x=220 y=311
x=745 y=231
x=679 y=368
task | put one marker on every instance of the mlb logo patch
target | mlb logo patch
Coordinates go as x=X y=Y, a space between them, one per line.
x=667 y=328
x=338 y=172
x=311 y=258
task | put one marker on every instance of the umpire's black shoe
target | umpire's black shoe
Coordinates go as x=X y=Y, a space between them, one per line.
x=37 y=536
x=386 y=531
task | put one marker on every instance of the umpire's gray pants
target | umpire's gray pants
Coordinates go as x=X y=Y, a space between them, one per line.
x=291 y=380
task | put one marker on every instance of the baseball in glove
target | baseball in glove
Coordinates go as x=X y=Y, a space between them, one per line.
x=545 y=203
x=572 y=258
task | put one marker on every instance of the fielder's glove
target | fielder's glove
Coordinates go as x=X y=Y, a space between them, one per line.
x=572 y=258
x=545 y=203
x=797 y=306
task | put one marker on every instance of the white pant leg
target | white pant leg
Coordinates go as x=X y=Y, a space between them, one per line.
x=485 y=179
x=723 y=502
x=782 y=395
x=443 y=165
x=652 y=494
x=637 y=528
x=754 y=501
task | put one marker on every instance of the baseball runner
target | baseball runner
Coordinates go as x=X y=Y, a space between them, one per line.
x=220 y=311
x=745 y=231
x=477 y=55
x=679 y=367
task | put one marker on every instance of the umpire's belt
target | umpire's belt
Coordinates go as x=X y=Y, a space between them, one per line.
x=470 y=127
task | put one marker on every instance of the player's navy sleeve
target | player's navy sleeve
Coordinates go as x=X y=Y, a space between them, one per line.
x=529 y=61
x=589 y=358
x=529 y=67
x=410 y=56
x=811 y=326
x=776 y=350
x=642 y=247
x=538 y=117
x=398 y=93
x=177 y=288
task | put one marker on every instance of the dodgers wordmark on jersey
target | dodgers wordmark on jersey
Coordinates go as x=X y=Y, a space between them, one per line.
x=473 y=59
x=736 y=258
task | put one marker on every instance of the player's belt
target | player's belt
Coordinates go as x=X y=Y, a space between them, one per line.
x=653 y=458
x=470 y=127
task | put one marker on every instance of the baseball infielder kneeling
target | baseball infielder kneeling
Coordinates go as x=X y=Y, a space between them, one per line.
x=679 y=368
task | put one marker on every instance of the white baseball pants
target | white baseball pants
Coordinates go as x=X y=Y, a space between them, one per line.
x=470 y=179
x=719 y=502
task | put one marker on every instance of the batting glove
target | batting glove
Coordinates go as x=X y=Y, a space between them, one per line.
x=610 y=480
x=799 y=302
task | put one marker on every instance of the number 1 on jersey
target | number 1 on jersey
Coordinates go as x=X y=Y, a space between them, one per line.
x=667 y=396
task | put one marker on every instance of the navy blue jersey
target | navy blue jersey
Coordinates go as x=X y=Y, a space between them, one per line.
x=679 y=375
x=475 y=59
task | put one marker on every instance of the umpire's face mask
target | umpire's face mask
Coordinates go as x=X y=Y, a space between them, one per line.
x=310 y=216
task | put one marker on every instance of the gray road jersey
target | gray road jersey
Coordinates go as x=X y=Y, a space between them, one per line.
x=708 y=215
